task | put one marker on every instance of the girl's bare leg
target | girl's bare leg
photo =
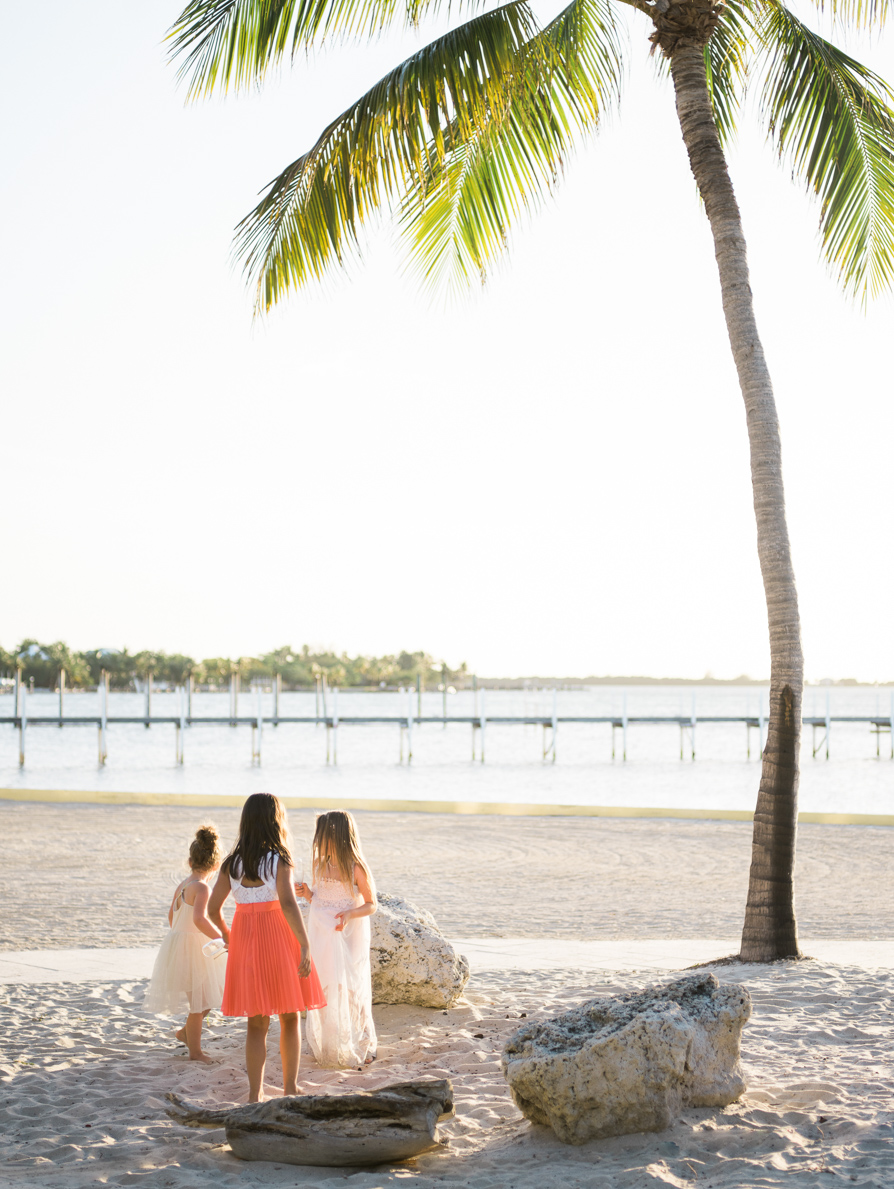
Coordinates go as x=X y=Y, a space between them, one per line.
x=289 y=1051
x=256 y=1055
x=193 y=1037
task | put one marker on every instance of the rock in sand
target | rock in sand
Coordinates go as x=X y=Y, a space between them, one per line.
x=412 y=961
x=614 y=1066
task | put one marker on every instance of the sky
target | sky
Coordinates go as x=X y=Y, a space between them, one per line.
x=549 y=476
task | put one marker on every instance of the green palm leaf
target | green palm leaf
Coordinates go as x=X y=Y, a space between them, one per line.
x=224 y=43
x=232 y=43
x=457 y=217
x=861 y=14
x=395 y=134
x=830 y=119
x=726 y=59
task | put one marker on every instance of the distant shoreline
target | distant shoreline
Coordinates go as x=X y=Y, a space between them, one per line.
x=580 y=682
x=502 y=683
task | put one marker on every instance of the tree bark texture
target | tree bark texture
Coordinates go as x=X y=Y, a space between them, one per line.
x=770 y=931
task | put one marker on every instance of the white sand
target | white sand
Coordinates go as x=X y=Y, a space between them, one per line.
x=85 y=1071
x=575 y=878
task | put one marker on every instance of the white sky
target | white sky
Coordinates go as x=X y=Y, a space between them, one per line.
x=551 y=478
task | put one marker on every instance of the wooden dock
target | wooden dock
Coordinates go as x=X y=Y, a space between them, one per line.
x=408 y=723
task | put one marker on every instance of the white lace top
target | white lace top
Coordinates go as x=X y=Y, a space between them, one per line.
x=333 y=895
x=266 y=871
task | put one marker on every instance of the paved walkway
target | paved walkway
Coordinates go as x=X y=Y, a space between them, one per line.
x=495 y=953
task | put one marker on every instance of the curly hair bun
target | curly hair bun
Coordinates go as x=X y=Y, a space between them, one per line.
x=204 y=851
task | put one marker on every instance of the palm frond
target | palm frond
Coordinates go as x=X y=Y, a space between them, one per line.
x=232 y=43
x=311 y=215
x=830 y=119
x=859 y=14
x=457 y=217
x=726 y=60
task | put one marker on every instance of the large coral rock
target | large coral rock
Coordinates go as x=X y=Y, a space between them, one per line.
x=412 y=960
x=615 y=1066
x=366 y=1127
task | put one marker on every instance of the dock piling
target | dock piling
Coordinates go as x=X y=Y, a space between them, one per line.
x=22 y=711
x=257 y=730
x=180 y=727
x=234 y=698
x=692 y=727
x=760 y=722
x=61 y=696
x=102 y=742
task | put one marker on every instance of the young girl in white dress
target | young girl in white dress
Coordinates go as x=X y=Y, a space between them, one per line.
x=184 y=978
x=342 y=898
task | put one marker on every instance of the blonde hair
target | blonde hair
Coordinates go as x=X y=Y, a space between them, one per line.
x=336 y=842
x=204 y=850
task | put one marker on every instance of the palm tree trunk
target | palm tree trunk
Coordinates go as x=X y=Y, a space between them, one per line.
x=770 y=930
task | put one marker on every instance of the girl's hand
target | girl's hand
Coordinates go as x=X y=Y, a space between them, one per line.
x=304 y=965
x=341 y=919
x=301 y=889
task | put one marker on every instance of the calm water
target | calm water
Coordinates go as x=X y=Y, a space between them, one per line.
x=218 y=758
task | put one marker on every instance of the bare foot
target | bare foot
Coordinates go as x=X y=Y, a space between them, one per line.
x=203 y=1057
x=180 y=1035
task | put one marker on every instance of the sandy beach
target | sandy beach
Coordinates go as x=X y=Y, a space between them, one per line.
x=85 y=1069
x=577 y=878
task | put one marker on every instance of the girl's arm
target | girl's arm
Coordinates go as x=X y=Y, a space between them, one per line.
x=219 y=894
x=367 y=908
x=286 y=891
x=199 y=916
x=177 y=892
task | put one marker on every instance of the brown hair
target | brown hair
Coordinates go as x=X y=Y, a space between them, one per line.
x=336 y=842
x=204 y=850
x=262 y=831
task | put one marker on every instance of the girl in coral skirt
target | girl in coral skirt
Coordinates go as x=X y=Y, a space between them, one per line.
x=269 y=969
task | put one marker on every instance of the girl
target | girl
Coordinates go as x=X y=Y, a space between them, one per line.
x=269 y=969
x=342 y=898
x=183 y=977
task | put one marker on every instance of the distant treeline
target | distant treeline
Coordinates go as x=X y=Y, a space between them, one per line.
x=42 y=664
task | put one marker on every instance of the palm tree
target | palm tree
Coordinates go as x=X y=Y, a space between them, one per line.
x=474 y=129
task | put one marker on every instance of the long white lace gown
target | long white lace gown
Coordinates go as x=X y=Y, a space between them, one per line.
x=341 y=1034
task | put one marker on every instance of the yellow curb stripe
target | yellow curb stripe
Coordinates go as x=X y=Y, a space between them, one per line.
x=498 y=808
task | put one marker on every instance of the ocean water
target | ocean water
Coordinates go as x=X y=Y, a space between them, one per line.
x=218 y=758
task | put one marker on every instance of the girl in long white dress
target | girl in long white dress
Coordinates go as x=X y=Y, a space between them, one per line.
x=342 y=899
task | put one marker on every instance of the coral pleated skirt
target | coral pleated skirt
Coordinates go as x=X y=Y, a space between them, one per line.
x=262 y=966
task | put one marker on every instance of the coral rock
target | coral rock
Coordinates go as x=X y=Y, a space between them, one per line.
x=615 y=1066
x=412 y=961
